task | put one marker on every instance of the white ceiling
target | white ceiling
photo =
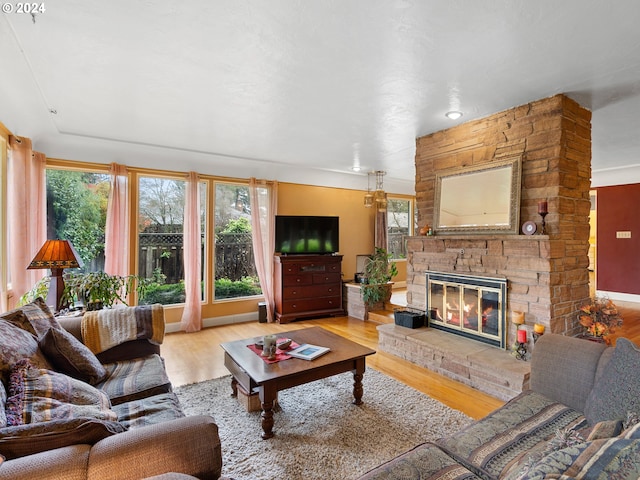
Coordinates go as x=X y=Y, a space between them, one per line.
x=274 y=88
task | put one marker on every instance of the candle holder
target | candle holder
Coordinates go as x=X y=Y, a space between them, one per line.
x=521 y=351
x=536 y=336
x=543 y=210
x=542 y=230
x=520 y=346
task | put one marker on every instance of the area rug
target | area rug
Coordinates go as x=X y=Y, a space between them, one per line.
x=319 y=433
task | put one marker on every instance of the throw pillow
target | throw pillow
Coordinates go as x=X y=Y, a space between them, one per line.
x=38 y=395
x=44 y=436
x=35 y=317
x=71 y=357
x=605 y=458
x=617 y=391
x=17 y=344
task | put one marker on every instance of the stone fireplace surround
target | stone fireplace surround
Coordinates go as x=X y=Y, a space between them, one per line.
x=547 y=275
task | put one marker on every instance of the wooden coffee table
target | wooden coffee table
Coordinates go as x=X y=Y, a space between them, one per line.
x=255 y=375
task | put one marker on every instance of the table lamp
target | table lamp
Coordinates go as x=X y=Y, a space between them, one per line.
x=56 y=255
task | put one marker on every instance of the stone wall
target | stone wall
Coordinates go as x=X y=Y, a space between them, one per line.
x=548 y=274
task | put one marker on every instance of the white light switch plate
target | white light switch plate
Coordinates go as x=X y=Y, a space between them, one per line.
x=625 y=234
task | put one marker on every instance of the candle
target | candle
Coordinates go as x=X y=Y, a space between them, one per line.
x=518 y=318
x=522 y=336
x=543 y=207
x=538 y=328
x=269 y=343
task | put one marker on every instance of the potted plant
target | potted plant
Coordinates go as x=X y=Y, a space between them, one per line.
x=378 y=273
x=97 y=290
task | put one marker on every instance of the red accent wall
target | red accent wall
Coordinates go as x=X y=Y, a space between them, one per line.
x=618 y=259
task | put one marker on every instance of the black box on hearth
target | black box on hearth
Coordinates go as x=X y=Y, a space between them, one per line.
x=409 y=318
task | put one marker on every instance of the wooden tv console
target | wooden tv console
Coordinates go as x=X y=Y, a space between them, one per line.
x=307 y=286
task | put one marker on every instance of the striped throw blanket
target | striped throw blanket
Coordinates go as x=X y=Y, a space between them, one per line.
x=103 y=329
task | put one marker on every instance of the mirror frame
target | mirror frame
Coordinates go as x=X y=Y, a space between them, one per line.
x=446 y=177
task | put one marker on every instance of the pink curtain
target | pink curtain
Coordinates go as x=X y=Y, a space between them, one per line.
x=264 y=201
x=27 y=215
x=192 y=315
x=116 y=248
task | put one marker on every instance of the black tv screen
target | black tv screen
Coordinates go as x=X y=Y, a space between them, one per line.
x=306 y=234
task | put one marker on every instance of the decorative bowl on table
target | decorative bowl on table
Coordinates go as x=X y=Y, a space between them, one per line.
x=284 y=344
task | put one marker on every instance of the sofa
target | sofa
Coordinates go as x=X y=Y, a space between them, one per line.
x=579 y=419
x=68 y=411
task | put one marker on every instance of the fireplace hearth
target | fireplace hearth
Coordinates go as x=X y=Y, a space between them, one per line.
x=468 y=305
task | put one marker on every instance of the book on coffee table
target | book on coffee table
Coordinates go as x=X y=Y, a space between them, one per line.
x=307 y=351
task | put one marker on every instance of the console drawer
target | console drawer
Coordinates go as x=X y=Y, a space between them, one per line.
x=310 y=291
x=310 y=304
x=320 y=278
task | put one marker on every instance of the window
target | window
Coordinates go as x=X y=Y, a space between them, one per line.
x=400 y=223
x=160 y=238
x=235 y=270
x=77 y=211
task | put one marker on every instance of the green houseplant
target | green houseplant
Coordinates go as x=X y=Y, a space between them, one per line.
x=378 y=273
x=97 y=290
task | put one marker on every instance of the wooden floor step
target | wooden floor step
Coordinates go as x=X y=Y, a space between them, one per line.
x=381 y=316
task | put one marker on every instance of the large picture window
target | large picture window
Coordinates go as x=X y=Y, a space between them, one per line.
x=235 y=270
x=77 y=211
x=161 y=239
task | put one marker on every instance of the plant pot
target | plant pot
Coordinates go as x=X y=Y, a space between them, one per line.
x=92 y=306
x=373 y=294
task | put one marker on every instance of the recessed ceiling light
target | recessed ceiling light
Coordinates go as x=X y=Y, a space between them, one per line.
x=453 y=115
x=356 y=168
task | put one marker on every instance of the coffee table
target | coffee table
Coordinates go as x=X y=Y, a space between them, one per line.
x=256 y=376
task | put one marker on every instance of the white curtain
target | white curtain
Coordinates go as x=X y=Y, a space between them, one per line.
x=191 y=320
x=264 y=201
x=116 y=245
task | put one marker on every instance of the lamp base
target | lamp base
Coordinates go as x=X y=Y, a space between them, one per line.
x=56 y=287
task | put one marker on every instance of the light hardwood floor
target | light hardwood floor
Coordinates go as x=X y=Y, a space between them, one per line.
x=194 y=357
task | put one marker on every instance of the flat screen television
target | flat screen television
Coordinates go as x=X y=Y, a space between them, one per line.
x=306 y=234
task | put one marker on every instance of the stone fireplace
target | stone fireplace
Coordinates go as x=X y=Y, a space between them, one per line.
x=467 y=305
x=546 y=275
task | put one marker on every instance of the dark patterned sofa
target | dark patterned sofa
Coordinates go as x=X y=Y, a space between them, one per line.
x=578 y=420
x=67 y=412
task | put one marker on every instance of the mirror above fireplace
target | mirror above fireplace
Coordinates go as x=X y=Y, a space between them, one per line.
x=479 y=199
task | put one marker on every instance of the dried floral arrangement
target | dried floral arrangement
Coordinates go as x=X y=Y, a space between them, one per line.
x=600 y=318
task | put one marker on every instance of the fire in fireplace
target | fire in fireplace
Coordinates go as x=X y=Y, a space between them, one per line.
x=468 y=305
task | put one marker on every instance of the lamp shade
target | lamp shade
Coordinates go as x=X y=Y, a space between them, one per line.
x=56 y=254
